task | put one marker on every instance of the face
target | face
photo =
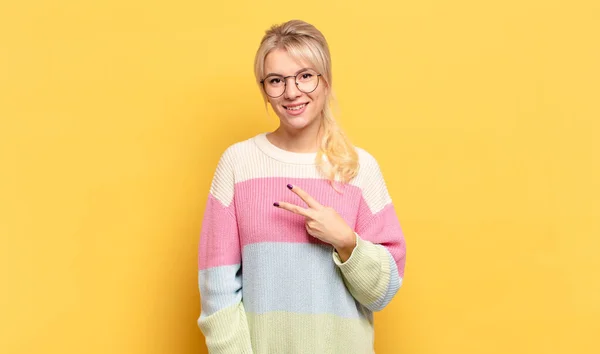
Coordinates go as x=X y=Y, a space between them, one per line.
x=295 y=109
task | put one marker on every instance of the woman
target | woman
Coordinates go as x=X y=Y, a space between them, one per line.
x=298 y=269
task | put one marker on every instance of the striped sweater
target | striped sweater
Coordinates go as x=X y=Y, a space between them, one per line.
x=266 y=285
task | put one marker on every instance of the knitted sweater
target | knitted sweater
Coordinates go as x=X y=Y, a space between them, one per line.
x=266 y=285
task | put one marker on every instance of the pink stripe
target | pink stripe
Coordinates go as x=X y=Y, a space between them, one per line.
x=219 y=240
x=383 y=228
x=260 y=221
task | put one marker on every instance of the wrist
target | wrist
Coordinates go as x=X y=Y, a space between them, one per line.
x=345 y=248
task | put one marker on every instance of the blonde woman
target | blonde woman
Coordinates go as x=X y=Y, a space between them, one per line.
x=300 y=242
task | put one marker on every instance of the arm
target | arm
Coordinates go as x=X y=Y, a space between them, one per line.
x=223 y=318
x=374 y=271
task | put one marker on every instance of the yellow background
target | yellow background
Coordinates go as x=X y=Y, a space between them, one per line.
x=483 y=115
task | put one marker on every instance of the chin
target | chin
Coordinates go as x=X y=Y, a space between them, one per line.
x=296 y=122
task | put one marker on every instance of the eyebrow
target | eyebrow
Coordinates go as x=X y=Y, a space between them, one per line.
x=297 y=72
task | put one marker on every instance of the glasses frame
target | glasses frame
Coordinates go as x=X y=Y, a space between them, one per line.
x=262 y=82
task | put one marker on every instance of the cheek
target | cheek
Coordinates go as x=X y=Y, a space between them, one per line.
x=318 y=102
x=275 y=104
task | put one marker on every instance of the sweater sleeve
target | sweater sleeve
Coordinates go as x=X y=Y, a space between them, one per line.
x=373 y=274
x=222 y=318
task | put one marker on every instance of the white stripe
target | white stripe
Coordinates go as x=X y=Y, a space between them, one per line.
x=244 y=160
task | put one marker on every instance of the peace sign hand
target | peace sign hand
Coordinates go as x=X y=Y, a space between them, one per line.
x=323 y=223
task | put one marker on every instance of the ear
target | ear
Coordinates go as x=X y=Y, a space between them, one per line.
x=327 y=88
x=329 y=92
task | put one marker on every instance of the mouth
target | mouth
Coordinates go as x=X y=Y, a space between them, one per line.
x=296 y=107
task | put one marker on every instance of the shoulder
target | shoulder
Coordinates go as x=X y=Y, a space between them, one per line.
x=365 y=159
x=368 y=168
x=237 y=152
x=224 y=178
x=231 y=158
x=238 y=149
x=370 y=180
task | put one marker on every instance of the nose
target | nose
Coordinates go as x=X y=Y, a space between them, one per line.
x=291 y=90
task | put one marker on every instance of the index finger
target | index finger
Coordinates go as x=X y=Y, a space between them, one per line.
x=308 y=199
x=293 y=208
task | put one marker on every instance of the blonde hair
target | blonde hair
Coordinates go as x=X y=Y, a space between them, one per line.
x=304 y=42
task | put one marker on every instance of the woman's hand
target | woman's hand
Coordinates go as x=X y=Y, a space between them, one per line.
x=323 y=223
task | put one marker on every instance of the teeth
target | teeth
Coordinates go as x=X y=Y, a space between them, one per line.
x=296 y=107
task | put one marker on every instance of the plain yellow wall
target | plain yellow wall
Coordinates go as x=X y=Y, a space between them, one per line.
x=483 y=115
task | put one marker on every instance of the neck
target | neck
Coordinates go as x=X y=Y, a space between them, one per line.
x=303 y=141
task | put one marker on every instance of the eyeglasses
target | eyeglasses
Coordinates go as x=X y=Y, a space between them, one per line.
x=306 y=81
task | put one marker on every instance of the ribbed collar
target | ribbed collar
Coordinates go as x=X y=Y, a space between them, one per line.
x=300 y=158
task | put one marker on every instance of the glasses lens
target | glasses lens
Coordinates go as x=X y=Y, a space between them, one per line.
x=274 y=85
x=307 y=81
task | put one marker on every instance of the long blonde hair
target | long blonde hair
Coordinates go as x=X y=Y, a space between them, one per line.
x=304 y=42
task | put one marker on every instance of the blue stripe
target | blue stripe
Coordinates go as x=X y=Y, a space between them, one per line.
x=393 y=285
x=220 y=287
x=296 y=277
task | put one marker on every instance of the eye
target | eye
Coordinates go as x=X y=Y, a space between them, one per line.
x=306 y=76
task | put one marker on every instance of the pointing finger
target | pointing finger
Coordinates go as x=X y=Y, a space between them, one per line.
x=293 y=208
x=308 y=199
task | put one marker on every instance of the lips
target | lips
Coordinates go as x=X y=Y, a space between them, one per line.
x=296 y=107
x=295 y=110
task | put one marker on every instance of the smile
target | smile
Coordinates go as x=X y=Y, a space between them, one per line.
x=295 y=108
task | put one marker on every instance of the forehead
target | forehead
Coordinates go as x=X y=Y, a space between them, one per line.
x=279 y=61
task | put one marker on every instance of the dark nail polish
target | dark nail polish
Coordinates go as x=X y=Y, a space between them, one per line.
x=276 y=204
x=290 y=186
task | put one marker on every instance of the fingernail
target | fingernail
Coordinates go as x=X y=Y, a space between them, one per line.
x=290 y=186
x=276 y=204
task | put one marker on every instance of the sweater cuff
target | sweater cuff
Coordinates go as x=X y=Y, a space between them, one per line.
x=360 y=251
x=366 y=273
x=226 y=331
